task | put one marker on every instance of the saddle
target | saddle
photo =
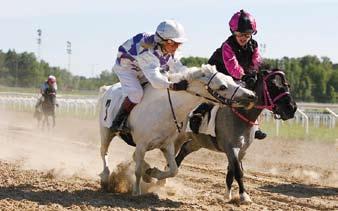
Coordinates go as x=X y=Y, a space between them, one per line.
x=202 y=119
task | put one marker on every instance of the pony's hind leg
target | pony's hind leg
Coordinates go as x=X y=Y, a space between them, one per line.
x=169 y=154
x=106 y=137
x=186 y=149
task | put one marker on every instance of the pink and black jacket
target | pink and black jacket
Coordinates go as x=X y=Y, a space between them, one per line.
x=234 y=60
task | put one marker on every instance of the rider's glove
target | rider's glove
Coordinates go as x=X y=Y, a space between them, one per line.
x=250 y=80
x=182 y=85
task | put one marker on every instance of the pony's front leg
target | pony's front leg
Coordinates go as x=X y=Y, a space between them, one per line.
x=235 y=170
x=44 y=122
x=229 y=181
x=169 y=154
x=139 y=160
x=47 y=121
x=53 y=120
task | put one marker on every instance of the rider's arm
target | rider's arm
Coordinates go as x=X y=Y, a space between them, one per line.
x=231 y=62
x=175 y=66
x=150 y=65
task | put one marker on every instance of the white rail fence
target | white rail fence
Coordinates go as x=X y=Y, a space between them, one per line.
x=87 y=107
x=82 y=107
x=316 y=118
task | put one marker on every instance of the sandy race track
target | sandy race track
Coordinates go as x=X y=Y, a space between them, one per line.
x=58 y=170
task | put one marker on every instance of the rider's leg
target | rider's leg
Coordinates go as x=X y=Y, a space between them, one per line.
x=260 y=134
x=122 y=117
x=131 y=88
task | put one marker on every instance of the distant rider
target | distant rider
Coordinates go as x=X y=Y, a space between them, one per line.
x=49 y=87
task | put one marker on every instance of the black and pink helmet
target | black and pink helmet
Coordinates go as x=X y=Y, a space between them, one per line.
x=242 y=22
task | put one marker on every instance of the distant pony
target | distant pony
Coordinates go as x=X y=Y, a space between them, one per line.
x=46 y=109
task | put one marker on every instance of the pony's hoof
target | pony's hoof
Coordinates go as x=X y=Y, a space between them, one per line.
x=228 y=195
x=104 y=186
x=136 y=192
x=245 y=198
x=104 y=175
x=147 y=178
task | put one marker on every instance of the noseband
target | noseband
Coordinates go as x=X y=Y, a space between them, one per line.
x=219 y=97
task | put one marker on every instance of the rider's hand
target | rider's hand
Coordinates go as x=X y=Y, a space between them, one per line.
x=182 y=85
x=250 y=80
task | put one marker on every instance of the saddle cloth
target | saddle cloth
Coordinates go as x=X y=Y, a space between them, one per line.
x=208 y=123
x=110 y=103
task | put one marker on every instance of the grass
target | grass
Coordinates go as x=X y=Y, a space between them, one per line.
x=293 y=131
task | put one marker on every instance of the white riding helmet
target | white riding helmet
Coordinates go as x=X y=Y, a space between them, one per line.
x=171 y=30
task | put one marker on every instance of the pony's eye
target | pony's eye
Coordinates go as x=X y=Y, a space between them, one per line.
x=222 y=87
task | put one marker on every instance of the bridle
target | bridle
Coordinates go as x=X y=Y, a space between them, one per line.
x=218 y=97
x=269 y=102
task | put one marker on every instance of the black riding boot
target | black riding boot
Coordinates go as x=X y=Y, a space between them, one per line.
x=120 y=121
x=260 y=134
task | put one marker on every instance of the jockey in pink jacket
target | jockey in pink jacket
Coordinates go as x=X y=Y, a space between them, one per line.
x=239 y=56
x=147 y=58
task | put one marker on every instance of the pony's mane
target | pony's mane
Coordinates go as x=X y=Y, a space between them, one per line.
x=192 y=73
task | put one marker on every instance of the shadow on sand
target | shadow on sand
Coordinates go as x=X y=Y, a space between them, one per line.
x=86 y=197
x=301 y=190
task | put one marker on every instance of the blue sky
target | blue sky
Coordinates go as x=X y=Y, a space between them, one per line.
x=96 y=28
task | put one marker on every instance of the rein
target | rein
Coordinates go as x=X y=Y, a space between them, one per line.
x=178 y=127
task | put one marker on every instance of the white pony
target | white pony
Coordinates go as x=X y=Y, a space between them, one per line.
x=151 y=121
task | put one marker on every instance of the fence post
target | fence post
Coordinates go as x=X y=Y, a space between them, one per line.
x=306 y=121
x=333 y=119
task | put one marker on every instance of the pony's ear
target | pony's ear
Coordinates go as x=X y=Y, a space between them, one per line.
x=278 y=80
x=207 y=68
